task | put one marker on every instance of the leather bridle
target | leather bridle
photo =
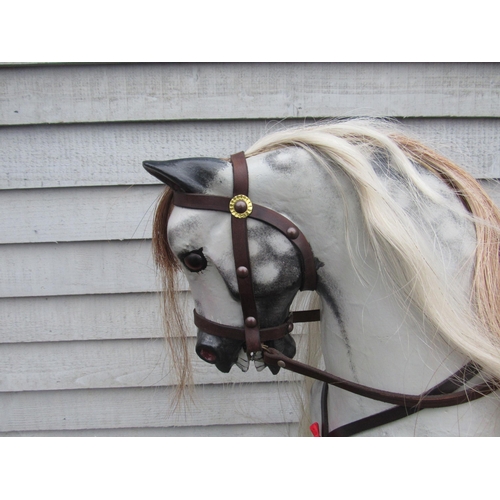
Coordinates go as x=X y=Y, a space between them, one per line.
x=241 y=208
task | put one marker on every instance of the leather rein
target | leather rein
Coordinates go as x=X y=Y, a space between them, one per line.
x=241 y=207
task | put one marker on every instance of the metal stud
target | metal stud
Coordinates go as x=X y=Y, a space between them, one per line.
x=250 y=322
x=240 y=206
x=292 y=233
x=242 y=272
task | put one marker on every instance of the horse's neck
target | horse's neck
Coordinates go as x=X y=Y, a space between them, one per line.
x=368 y=335
x=370 y=338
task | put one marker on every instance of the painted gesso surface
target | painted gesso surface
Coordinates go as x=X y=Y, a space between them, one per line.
x=81 y=350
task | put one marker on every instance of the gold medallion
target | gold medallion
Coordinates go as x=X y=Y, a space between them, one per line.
x=240 y=206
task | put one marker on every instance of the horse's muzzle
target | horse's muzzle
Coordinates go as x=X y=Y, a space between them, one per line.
x=219 y=351
x=223 y=352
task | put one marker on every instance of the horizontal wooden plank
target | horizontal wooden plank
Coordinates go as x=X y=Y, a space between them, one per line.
x=81 y=317
x=78 y=214
x=111 y=154
x=7 y=64
x=52 y=63
x=144 y=92
x=108 y=364
x=77 y=268
x=259 y=430
x=472 y=144
x=492 y=187
x=231 y=404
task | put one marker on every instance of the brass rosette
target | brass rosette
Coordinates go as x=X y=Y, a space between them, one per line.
x=236 y=210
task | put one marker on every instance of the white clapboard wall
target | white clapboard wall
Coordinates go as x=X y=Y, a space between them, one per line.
x=81 y=348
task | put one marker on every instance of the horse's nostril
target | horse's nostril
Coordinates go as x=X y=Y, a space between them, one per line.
x=207 y=355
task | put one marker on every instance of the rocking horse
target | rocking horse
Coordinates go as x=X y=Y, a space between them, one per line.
x=400 y=245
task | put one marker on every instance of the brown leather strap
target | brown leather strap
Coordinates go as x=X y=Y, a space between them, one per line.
x=306 y=316
x=274 y=357
x=201 y=201
x=241 y=255
x=449 y=385
x=272 y=333
x=325 y=425
x=240 y=174
x=236 y=333
x=292 y=232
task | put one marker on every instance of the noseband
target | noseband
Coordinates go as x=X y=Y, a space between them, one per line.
x=241 y=207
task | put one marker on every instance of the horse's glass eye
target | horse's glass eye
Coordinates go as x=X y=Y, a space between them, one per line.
x=195 y=261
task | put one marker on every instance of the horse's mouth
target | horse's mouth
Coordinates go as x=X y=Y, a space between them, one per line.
x=243 y=361
x=224 y=353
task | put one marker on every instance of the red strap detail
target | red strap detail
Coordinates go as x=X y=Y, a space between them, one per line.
x=315 y=430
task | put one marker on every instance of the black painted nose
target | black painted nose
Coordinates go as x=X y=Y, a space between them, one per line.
x=221 y=352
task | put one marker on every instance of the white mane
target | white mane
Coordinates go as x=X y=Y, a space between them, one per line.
x=466 y=319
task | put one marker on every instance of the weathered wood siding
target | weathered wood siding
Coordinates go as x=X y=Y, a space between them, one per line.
x=81 y=351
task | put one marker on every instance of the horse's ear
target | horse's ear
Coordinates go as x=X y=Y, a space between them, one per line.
x=190 y=175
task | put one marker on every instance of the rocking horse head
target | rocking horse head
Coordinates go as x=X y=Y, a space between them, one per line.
x=400 y=245
x=245 y=262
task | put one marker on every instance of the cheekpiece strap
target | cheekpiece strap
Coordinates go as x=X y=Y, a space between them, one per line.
x=241 y=254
